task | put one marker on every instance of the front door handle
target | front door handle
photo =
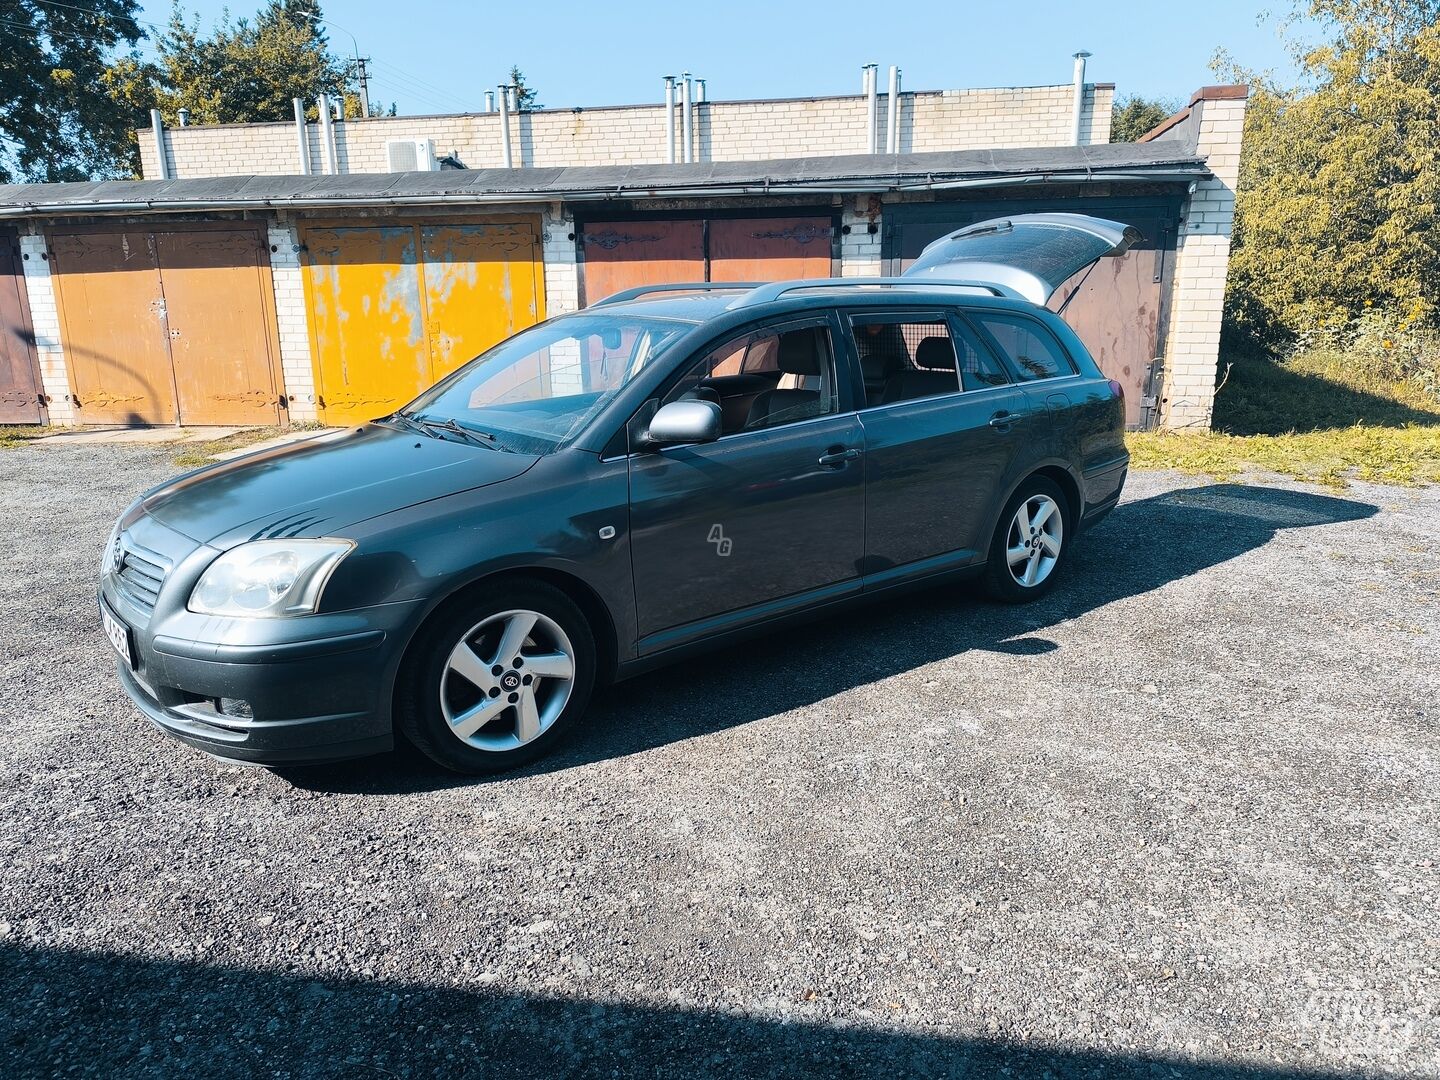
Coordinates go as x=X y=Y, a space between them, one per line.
x=839 y=456
x=1003 y=420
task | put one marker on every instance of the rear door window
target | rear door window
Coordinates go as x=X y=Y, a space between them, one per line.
x=1033 y=352
x=903 y=357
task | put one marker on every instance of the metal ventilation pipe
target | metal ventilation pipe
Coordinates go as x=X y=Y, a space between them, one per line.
x=699 y=91
x=157 y=130
x=892 y=113
x=687 y=119
x=670 y=119
x=869 y=76
x=489 y=101
x=1080 y=58
x=327 y=134
x=505 y=127
x=302 y=138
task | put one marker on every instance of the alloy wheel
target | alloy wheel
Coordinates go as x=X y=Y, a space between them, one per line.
x=1032 y=545
x=507 y=680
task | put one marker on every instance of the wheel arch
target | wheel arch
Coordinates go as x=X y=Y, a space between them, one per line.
x=580 y=592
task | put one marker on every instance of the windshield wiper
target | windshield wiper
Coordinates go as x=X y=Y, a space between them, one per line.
x=409 y=423
x=469 y=434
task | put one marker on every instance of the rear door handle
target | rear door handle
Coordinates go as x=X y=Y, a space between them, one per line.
x=838 y=456
x=1003 y=420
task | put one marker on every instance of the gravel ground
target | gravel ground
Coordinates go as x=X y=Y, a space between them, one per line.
x=1179 y=819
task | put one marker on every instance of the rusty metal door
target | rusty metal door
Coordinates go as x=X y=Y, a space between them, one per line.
x=394 y=308
x=623 y=254
x=217 y=304
x=20 y=400
x=112 y=309
x=769 y=249
x=367 y=319
x=1117 y=315
x=482 y=284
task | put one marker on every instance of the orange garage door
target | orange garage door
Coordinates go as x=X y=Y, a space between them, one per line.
x=396 y=307
x=167 y=326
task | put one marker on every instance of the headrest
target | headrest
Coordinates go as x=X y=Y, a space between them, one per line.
x=935 y=354
x=797 y=355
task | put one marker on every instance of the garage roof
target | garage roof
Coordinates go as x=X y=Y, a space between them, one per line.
x=855 y=173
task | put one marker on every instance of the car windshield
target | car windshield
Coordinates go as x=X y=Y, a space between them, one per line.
x=535 y=391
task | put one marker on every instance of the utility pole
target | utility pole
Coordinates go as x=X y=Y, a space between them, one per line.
x=363 y=78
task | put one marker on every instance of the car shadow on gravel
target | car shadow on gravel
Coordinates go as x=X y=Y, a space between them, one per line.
x=74 y=1013
x=1142 y=546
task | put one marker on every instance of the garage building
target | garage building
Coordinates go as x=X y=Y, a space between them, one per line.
x=269 y=298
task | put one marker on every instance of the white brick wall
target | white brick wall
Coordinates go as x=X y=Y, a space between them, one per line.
x=45 y=317
x=860 y=248
x=290 y=315
x=1192 y=348
x=635 y=134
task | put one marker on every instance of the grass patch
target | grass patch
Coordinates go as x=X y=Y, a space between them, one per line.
x=198 y=455
x=1310 y=418
x=11 y=437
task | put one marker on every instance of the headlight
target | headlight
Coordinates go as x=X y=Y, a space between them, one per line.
x=110 y=557
x=268 y=578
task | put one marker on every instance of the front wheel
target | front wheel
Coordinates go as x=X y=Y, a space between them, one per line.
x=1029 y=543
x=495 y=683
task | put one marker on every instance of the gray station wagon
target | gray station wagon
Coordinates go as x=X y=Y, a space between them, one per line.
x=664 y=471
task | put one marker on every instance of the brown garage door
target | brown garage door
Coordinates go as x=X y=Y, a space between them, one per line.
x=625 y=254
x=172 y=326
x=19 y=373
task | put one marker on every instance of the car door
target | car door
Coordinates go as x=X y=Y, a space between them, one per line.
x=768 y=517
x=943 y=423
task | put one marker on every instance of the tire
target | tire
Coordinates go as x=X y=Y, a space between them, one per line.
x=473 y=710
x=1022 y=568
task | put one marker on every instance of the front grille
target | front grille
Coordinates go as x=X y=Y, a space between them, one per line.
x=139 y=578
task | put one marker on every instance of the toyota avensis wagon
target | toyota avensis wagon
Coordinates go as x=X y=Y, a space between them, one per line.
x=602 y=493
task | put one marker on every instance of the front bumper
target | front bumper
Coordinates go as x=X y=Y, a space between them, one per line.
x=315 y=689
x=317 y=708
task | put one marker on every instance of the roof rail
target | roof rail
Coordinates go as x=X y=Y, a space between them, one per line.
x=680 y=286
x=774 y=290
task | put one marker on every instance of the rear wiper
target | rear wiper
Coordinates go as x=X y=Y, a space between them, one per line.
x=469 y=434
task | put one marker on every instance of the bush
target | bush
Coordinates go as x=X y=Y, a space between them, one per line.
x=1378 y=349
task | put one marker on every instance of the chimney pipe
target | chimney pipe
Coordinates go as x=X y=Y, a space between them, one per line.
x=327 y=135
x=505 y=127
x=1080 y=58
x=869 y=77
x=184 y=117
x=699 y=91
x=892 y=113
x=489 y=101
x=687 y=120
x=157 y=129
x=302 y=138
x=670 y=119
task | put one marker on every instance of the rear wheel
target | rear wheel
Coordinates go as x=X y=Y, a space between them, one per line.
x=1028 y=547
x=495 y=683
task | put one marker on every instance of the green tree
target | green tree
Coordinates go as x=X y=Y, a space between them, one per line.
x=1133 y=116
x=526 y=97
x=239 y=72
x=1340 y=176
x=56 y=121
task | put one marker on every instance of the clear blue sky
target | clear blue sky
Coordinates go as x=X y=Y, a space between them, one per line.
x=439 y=57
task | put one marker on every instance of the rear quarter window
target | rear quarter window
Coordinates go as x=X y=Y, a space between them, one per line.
x=1032 y=350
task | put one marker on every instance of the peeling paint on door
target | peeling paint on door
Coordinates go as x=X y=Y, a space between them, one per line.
x=394 y=308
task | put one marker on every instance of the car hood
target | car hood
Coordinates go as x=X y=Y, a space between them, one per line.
x=320 y=486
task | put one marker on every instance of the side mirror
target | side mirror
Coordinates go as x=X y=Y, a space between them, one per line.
x=684 y=422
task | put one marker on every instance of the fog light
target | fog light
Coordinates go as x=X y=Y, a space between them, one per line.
x=232 y=706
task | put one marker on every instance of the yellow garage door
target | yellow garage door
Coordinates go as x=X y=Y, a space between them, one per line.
x=396 y=307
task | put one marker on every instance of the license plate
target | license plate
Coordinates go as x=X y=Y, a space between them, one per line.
x=119 y=635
